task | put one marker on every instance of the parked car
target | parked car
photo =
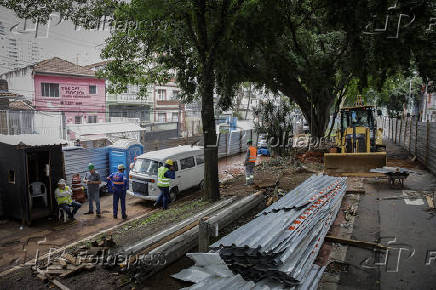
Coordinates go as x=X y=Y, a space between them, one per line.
x=188 y=163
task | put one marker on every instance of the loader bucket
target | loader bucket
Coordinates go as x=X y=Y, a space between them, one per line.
x=337 y=163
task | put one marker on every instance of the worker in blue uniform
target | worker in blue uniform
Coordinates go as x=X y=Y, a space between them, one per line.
x=164 y=174
x=119 y=186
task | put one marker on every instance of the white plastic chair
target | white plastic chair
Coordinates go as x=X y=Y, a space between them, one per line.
x=38 y=189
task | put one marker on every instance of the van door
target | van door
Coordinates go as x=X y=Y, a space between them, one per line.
x=199 y=159
x=187 y=173
x=176 y=181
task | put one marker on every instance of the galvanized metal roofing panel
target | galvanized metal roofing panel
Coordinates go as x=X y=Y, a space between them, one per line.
x=282 y=242
x=31 y=140
x=104 y=128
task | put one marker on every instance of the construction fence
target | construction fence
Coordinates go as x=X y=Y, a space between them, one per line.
x=418 y=138
x=76 y=159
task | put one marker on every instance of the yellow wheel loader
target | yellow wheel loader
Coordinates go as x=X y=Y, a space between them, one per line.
x=359 y=143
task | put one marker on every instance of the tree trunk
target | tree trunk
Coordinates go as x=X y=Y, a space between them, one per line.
x=211 y=184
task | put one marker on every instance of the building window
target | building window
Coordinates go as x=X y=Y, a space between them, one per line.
x=50 y=90
x=11 y=176
x=92 y=119
x=162 y=117
x=161 y=95
x=174 y=117
x=78 y=120
x=92 y=90
x=175 y=95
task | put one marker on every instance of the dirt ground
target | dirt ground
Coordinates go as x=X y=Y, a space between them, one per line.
x=143 y=221
x=20 y=243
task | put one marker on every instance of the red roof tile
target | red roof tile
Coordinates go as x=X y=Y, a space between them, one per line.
x=56 y=65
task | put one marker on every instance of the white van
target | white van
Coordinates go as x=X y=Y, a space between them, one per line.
x=189 y=170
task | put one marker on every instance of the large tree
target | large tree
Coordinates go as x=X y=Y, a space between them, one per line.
x=155 y=40
x=293 y=50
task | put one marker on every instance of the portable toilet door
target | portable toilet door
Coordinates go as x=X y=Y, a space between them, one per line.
x=124 y=152
x=132 y=152
x=117 y=156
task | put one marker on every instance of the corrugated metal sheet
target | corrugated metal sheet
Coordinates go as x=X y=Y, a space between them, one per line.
x=31 y=140
x=417 y=138
x=211 y=272
x=77 y=160
x=282 y=242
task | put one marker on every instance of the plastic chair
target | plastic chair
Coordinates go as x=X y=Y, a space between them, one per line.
x=38 y=189
x=62 y=214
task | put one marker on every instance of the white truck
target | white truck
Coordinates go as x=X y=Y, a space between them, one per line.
x=189 y=171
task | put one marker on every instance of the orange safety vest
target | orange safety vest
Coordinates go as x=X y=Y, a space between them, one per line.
x=253 y=154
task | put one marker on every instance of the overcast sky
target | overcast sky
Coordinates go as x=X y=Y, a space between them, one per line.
x=61 y=40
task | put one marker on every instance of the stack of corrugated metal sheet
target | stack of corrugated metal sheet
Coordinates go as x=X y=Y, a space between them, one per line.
x=283 y=241
x=211 y=272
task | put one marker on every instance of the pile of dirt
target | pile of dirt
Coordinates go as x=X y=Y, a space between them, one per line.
x=311 y=156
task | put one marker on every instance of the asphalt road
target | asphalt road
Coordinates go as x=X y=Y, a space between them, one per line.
x=408 y=229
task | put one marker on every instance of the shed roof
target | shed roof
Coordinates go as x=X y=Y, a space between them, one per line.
x=125 y=143
x=171 y=152
x=104 y=128
x=31 y=140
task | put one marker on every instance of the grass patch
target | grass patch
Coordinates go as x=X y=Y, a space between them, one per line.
x=180 y=212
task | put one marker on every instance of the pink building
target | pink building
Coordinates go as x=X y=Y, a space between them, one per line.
x=61 y=86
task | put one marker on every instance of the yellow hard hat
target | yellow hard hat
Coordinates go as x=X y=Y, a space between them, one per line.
x=169 y=162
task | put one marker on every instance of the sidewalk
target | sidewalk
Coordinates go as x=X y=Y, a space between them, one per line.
x=402 y=224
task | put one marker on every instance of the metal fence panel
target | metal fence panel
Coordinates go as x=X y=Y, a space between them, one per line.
x=77 y=160
x=422 y=140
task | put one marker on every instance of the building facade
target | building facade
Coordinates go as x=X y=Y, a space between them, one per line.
x=160 y=104
x=58 y=86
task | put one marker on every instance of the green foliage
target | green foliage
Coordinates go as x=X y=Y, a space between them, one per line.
x=398 y=92
x=273 y=118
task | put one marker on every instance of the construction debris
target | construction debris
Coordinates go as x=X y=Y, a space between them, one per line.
x=394 y=174
x=355 y=243
x=68 y=264
x=281 y=244
x=60 y=285
x=311 y=156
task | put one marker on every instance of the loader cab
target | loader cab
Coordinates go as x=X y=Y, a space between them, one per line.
x=358 y=123
x=357 y=117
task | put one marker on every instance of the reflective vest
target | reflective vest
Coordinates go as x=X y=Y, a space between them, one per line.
x=253 y=154
x=162 y=181
x=63 y=196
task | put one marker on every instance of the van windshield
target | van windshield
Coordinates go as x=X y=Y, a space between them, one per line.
x=146 y=166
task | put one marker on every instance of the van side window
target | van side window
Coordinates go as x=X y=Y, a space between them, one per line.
x=187 y=162
x=200 y=159
x=175 y=165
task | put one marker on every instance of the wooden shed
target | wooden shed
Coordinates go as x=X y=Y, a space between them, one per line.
x=30 y=167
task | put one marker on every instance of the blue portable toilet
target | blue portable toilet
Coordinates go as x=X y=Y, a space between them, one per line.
x=124 y=152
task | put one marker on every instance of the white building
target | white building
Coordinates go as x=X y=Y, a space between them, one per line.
x=16 y=52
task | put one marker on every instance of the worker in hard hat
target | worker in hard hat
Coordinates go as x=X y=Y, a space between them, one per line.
x=164 y=174
x=64 y=199
x=92 y=180
x=119 y=187
x=250 y=163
